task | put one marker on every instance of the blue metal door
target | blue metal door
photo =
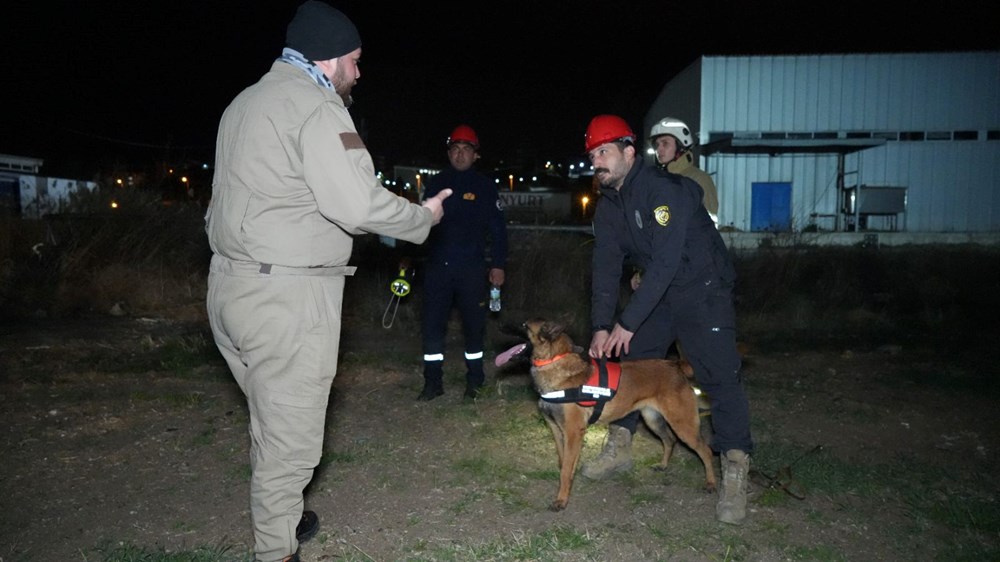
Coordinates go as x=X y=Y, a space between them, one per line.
x=771 y=206
x=10 y=197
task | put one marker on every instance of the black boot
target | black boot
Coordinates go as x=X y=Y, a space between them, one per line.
x=432 y=389
x=433 y=381
x=474 y=377
x=307 y=527
x=472 y=389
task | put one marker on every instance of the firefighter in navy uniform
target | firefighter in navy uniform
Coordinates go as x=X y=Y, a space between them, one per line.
x=456 y=273
x=657 y=220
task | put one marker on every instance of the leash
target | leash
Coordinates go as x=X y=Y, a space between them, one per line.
x=784 y=480
x=399 y=287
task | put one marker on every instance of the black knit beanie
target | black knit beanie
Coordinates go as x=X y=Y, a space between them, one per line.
x=321 y=32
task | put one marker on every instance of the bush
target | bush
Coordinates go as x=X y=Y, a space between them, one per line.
x=151 y=259
x=144 y=257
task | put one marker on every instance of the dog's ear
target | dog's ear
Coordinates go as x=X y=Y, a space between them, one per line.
x=551 y=330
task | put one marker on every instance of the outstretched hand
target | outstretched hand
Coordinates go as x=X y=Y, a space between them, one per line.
x=604 y=344
x=597 y=343
x=617 y=342
x=435 y=205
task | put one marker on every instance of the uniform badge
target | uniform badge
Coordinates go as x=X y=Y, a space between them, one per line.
x=638 y=219
x=469 y=196
x=662 y=215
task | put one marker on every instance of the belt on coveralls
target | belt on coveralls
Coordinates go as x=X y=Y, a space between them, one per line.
x=225 y=265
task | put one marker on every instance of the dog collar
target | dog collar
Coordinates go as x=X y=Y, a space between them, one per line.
x=544 y=362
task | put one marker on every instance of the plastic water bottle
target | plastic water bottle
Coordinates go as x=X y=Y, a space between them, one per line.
x=495 y=299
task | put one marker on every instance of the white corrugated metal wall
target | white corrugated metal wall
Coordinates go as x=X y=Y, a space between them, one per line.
x=953 y=185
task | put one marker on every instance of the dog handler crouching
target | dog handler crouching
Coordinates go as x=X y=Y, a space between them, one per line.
x=657 y=220
x=293 y=182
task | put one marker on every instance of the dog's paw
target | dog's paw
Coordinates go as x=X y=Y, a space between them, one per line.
x=558 y=505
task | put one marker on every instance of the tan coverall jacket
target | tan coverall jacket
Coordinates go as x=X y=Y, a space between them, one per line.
x=685 y=166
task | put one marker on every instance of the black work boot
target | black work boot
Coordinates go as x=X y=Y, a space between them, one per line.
x=433 y=381
x=307 y=527
x=474 y=377
x=473 y=383
x=432 y=389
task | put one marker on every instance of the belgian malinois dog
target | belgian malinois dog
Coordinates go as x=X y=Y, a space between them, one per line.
x=658 y=388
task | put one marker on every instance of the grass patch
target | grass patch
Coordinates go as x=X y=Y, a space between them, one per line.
x=818 y=553
x=126 y=552
x=205 y=438
x=557 y=544
x=816 y=470
x=183 y=354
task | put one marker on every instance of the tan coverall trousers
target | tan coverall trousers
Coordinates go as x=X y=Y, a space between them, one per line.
x=279 y=332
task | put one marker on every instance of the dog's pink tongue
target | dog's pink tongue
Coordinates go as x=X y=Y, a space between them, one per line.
x=506 y=356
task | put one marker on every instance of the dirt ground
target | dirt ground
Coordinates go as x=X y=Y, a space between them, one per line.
x=129 y=431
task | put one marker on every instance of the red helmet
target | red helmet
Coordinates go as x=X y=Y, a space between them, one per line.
x=463 y=133
x=606 y=128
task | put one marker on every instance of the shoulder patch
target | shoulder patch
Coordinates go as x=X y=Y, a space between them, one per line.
x=351 y=141
x=662 y=215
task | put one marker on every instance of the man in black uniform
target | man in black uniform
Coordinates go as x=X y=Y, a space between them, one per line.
x=456 y=272
x=656 y=219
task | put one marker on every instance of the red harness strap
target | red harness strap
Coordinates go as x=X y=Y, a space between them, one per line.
x=594 y=382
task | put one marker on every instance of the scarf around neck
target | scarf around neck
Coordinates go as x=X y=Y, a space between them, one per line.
x=296 y=59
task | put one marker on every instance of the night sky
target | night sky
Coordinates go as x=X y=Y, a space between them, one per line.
x=93 y=84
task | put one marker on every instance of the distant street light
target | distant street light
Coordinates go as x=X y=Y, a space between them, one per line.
x=584 y=200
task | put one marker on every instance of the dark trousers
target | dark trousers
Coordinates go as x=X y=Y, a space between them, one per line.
x=702 y=319
x=446 y=287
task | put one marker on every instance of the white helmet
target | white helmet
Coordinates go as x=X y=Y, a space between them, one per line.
x=675 y=128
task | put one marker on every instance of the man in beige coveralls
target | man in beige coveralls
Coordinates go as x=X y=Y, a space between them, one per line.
x=293 y=182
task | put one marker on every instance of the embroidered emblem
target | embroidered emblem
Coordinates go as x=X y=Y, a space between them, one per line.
x=469 y=196
x=662 y=215
x=499 y=205
x=638 y=219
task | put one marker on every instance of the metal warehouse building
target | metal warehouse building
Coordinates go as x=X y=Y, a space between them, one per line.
x=846 y=142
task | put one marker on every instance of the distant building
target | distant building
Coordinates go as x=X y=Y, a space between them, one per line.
x=846 y=142
x=23 y=193
x=409 y=181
